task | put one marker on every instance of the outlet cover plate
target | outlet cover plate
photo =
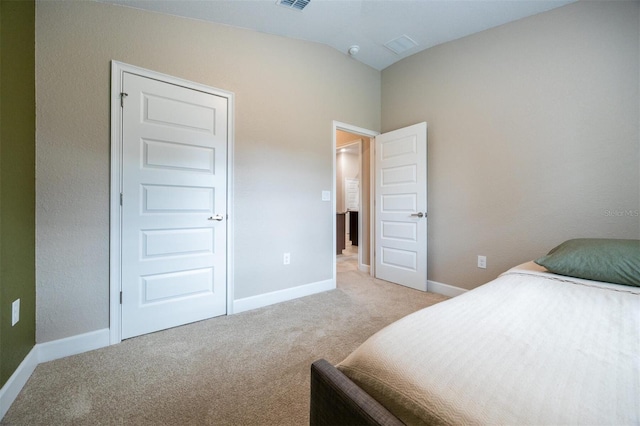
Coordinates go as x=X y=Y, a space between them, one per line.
x=15 y=312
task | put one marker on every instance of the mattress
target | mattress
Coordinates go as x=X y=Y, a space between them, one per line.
x=529 y=347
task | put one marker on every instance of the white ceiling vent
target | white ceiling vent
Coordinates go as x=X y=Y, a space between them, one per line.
x=294 y=4
x=401 y=44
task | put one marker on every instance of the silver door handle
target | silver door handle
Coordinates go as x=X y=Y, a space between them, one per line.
x=419 y=214
x=217 y=217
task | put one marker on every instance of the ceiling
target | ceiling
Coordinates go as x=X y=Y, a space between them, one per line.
x=369 y=24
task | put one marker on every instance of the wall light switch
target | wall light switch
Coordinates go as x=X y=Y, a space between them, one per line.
x=15 y=312
x=482 y=262
x=326 y=195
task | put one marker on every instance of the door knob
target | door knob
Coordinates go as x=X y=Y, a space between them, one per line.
x=419 y=214
x=217 y=217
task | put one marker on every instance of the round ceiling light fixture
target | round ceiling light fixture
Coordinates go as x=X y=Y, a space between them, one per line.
x=353 y=50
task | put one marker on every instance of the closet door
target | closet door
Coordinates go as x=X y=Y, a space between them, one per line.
x=174 y=183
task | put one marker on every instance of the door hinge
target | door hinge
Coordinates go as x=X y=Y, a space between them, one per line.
x=122 y=96
x=121 y=298
x=121 y=198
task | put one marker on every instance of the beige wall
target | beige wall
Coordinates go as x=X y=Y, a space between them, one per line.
x=280 y=170
x=345 y=138
x=533 y=136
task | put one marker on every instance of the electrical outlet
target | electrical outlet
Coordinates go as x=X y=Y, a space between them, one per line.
x=286 y=259
x=482 y=262
x=15 y=312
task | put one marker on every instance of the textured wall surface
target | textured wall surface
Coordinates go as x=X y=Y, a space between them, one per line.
x=288 y=92
x=17 y=182
x=533 y=139
x=533 y=136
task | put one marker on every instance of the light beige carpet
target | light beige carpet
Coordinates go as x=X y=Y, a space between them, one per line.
x=246 y=369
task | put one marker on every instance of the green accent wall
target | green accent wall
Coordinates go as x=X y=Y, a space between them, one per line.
x=17 y=181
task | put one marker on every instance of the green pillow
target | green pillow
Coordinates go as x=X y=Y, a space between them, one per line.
x=608 y=260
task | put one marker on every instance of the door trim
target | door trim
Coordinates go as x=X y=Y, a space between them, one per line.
x=115 y=215
x=337 y=125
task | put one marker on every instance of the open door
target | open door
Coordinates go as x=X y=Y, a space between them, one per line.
x=401 y=206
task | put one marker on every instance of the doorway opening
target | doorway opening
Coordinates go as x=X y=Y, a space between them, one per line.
x=349 y=173
x=392 y=223
x=353 y=202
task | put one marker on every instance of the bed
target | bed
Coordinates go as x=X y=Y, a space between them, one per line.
x=530 y=347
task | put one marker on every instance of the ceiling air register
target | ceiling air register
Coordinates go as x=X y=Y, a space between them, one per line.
x=294 y=4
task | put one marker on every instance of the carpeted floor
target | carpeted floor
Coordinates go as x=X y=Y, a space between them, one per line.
x=246 y=369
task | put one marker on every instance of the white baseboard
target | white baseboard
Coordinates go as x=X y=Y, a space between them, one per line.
x=364 y=268
x=267 y=299
x=73 y=345
x=48 y=351
x=444 y=289
x=18 y=379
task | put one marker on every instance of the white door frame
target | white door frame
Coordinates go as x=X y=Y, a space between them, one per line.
x=115 y=217
x=337 y=125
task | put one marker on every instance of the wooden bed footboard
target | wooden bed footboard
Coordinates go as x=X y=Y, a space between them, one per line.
x=336 y=400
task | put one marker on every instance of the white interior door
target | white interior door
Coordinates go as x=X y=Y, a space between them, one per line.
x=352 y=194
x=174 y=211
x=401 y=206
